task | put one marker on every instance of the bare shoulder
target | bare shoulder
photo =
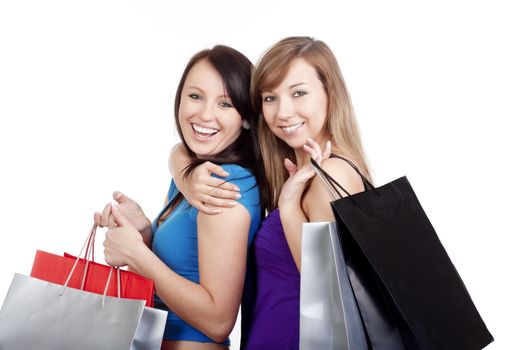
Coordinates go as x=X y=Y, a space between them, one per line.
x=175 y=151
x=174 y=154
x=229 y=223
x=316 y=201
x=343 y=173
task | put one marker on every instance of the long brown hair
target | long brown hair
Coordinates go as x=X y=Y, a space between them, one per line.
x=235 y=70
x=341 y=122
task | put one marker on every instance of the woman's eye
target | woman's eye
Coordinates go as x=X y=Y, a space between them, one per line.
x=195 y=97
x=225 y=104
x=269 y=99
x=299 y=93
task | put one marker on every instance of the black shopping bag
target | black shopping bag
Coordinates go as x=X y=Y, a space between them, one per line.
x=409 y=294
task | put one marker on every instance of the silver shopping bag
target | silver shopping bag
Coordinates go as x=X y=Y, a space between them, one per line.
x=42 y=315
x=329 y=316
x=150 y=330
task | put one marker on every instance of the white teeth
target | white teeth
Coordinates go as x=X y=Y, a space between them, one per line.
x=291 y=128
x=202 y=130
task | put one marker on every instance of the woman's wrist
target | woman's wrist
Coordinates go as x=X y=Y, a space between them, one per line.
x=136 y=255
x=289 y=207
x=290 y=200
x=145 y=227
x=146 y=234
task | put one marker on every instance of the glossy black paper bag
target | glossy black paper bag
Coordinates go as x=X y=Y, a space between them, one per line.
x=409 y=293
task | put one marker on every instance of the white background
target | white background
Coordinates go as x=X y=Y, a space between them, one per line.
x=86 y=101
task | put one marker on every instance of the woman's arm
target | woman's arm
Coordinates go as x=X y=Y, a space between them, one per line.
x=290 y=211
x=315 y=204
x=290 y=199
x=212 y=305
x=206 y=193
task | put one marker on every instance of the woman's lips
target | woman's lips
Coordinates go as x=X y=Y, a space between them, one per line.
x=290 y=129
x=203 y=132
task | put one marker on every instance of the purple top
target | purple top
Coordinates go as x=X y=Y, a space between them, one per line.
x=270 y=308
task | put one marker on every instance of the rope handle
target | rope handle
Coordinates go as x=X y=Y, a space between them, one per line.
x=332 y=185
x=89 y=246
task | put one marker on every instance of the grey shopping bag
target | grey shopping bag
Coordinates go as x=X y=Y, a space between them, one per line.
x=329 y=315
x=42 y=315
x=150 y=330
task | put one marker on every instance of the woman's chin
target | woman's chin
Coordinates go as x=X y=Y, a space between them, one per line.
x=204 y=151
x=296 y=143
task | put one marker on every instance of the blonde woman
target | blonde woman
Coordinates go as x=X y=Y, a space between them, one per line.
x=299 y=89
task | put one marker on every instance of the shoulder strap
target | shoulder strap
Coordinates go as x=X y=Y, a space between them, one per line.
x=332 y=185
x=367 y=184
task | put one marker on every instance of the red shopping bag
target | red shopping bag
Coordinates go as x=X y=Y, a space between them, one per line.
x=56 y=269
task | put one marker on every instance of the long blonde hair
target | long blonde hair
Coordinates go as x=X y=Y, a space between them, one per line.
x=341 y=122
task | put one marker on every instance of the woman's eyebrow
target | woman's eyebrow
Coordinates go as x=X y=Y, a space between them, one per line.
x=290 y=87
x=296 y=85
x=195 y=87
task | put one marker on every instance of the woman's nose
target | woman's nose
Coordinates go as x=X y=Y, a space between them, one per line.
x=207 y=113
x=285 y=109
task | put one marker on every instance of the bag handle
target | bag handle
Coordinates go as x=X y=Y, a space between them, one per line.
x=91 y=249
x=332 y=185
x=90 y=242
x=107 y=283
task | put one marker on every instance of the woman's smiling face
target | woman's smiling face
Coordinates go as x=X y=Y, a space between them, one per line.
x=208 y=120
x=297 y=108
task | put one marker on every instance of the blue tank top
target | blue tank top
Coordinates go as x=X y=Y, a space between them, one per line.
x=175 y=243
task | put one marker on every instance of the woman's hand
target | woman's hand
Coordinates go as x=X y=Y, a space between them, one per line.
x=203 y=191
x=123 y=241
x=129 y=208
x=293 y=188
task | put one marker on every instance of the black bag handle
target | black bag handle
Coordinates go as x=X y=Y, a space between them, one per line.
x=332 y=184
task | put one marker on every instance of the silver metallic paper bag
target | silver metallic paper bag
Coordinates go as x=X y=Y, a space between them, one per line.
x=329 y=316
x=43 y=315
x=150 y=330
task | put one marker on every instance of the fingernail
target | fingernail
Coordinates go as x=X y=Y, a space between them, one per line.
x=217 y=211
x=328 y=144
x=235 y=188
x=115 y=207
x=238 y=196
x=232 y=204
